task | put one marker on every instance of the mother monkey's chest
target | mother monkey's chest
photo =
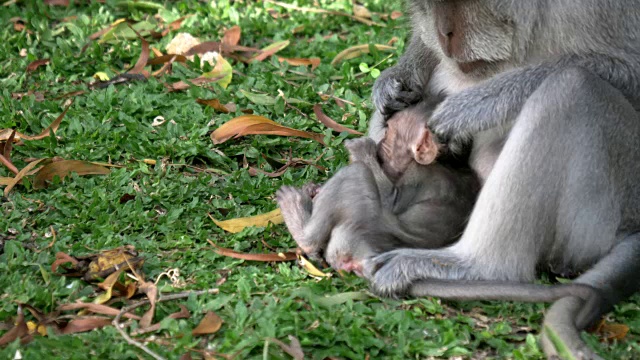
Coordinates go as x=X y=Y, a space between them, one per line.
x=470 y=44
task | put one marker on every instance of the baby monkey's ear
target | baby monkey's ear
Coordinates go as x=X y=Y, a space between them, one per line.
x=426 y=148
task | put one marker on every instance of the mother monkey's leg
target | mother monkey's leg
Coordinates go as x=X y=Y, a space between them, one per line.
x=563 y=192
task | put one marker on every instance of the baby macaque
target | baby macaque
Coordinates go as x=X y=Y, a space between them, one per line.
x=395 y=194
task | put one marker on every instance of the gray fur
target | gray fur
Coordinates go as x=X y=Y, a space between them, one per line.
x=553 y=116
x=361 y=211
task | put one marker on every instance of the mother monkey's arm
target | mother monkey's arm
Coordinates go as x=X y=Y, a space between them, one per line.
x=402 y=85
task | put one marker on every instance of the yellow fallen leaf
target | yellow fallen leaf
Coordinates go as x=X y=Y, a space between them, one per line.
x=310 y=268
x=102 y=76
x=237 y=225
x=107 y=286
x=5 y=180
x=222 y=71
x=257 y=125
x=33 y=327
x=358 y=50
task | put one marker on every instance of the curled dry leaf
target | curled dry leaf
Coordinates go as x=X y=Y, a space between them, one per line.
x=257 y=125
x=216 y=105
x=270 y=50
x=19 y=330
x=158 y=120
x=294 y=349
x=97 y=309
x=21 y=174
x=33 y=66
x=182 y=314
x=210 y=324
x=358 y=50
x=232 y=36
x=310 y=268
x=314 y=62
x=62 y=258
x=330 y=123
x=63 y=168
x=151 y=290
x=138 y=68
x=5 y=134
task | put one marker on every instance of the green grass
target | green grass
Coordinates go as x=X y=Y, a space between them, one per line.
x=167 y=221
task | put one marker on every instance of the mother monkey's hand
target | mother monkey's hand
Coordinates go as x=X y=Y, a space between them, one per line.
x=402 y=85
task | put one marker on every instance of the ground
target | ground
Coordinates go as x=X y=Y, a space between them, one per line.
x=172 y=175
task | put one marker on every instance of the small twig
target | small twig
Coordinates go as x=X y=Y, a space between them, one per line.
x=139 y=345
x=8 y=164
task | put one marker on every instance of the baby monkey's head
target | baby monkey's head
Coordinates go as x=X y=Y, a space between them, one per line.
x=407 y=139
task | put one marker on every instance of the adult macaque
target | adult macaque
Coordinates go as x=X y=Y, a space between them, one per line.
x=368 y=207
x=549 y=92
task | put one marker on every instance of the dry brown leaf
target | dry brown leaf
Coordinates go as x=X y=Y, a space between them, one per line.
x=270 y=50
x=611 y=332
x=361 y=11
x=219 y=47
x=358 y=50
x=215 y=104
x=8 y=145
x=232 y=36
x=182 y=85
x=238 y=224
x=163 y=59
x=33 y=66
x=19 y=330
x=62 y=258
x=175 y=25
x=138 y=68
x=151 y=290
x=257 y=125
x=22 y=173
x=182 y=314
x=85 y=324
x=64 y=168
x=314 y=62
x=57 y=2
x=18 y=24
x=210 y=324
x=96 y=308
x=281 y=256
x=53 y=127
x=395 y=15
x=294 y=349
x=330 y=123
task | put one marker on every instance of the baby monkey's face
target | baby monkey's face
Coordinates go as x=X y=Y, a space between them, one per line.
x=407 y=140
